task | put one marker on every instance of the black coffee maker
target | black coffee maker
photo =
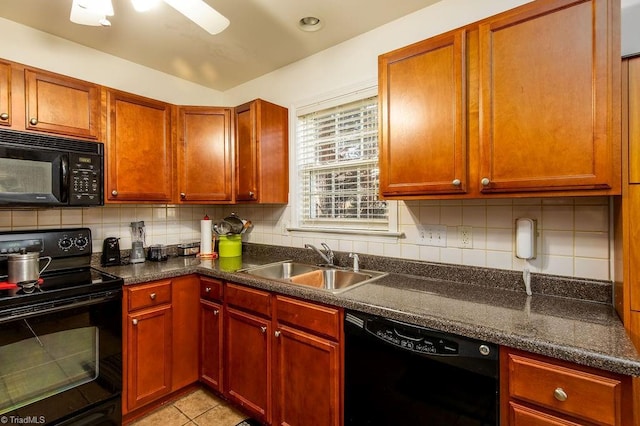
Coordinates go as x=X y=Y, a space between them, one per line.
x=111 y=252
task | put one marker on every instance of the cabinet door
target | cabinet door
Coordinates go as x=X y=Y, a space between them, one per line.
x=246 y=153
x=633 y=118
x=307 y=379
x=262 y=152
x=139 y=160
x=64 y=105
x=211 y=324
x=185 y=337
x=148 y=353
x=205 y=160
x=247 y=361
x=5 y=94
x=549 y=98
x=422 y=109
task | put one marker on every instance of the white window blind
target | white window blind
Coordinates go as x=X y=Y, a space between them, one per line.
x=338 y=167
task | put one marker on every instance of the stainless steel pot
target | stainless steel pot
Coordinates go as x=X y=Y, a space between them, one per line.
x=25 y=267
x=235 y=222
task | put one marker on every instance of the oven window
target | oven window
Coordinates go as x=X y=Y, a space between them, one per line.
x=40 y=366
x=25 y=176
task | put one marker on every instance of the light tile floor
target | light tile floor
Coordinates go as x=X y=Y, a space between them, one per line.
x=200 y=408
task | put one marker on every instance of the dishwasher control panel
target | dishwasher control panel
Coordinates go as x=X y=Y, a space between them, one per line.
x=416 y=340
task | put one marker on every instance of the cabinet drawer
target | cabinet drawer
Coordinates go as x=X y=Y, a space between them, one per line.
x=315 y=318
x=146 y=295
x=588 y=396
x=248 y=299
x=525 y=416
x=210 y=289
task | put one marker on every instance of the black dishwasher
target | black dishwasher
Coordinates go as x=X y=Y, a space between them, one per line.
x=398 y=373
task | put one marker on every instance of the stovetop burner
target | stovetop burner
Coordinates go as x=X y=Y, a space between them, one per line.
x=68 y=276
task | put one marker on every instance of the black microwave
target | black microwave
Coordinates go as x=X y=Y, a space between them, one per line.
x=43 y=170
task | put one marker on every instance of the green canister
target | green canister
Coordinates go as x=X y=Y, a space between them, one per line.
x=230 y=245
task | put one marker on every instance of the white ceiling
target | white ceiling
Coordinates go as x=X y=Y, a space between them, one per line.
x=263 y=35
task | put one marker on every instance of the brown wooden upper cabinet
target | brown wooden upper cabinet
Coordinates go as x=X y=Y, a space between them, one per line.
x=422 y=105
x=41 y=101
x=5 y=94
x=540 y=90
x=262 y=153
x=205 y=155
x=139 y=151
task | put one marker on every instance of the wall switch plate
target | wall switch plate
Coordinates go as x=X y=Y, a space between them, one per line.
x=465 y=236
x=432 y=235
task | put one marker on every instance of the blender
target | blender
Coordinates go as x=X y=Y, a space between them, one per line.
x=137 y=242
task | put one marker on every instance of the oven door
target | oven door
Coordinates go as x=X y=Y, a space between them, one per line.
x=63 y=365
x=33 y=177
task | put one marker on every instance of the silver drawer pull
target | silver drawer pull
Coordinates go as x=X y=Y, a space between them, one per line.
x=456 y=182
x=135 y=321
x=4 y=116
x=263 y=329
x=485 y=181
x=560 y=394
x=216 y=312
x=152 y=296
x=33 y=121
x=277 y=333
x=207 y=289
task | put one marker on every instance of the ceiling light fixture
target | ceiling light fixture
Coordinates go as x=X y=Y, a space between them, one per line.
x=310 y=24
x=144 y=5
x=95 y=12
x=91 y=12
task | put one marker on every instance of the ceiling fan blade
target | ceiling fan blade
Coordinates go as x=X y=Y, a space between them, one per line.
x=201 y=13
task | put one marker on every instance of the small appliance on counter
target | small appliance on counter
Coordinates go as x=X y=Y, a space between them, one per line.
x=157 y=253
x=111 y=252
x=189 y=249
x=137 y=242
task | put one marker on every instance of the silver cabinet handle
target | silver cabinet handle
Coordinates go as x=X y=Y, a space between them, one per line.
x=4 y=116
x=135 y=321
x=216 y=312
x=33 y=121
x=251 y=194
x=263 y=329
x=207 y=289
x=152 y=296
x=114 y=193
x=560 y=394
x=183 y=195
x=456 y=182
x=485 y=181
x=277 y=333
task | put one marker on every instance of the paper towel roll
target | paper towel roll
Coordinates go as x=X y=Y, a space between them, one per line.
x=205 y=237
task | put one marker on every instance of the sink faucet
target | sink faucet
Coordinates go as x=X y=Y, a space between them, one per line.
x=328 y=257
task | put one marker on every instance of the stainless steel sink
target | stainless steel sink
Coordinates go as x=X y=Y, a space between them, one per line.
x=331 y=279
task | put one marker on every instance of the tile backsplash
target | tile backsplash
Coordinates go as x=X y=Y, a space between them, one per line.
x=573 y=233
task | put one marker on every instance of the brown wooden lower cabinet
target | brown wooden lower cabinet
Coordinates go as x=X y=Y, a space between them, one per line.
x=148 y=367
x=541 y=391
x=161 y=336
x=282 y=358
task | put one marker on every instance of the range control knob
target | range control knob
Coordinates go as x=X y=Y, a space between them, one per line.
x=65 y=243
x=484 y=350
x=82 y=242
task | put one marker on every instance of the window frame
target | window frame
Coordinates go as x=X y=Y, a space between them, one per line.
x=318 y=103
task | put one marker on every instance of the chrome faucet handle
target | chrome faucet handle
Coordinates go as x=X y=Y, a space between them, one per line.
x=330 y=255
x=356 y=259
x=322 y=255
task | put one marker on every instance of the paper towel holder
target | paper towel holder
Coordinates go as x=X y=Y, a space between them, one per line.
x=526 y=238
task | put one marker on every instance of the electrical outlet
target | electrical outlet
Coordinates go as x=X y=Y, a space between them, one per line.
x=284 y=230
x=432 y=235
x=465 y=236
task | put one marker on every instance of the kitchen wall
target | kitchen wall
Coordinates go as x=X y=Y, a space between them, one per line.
x=574 y=233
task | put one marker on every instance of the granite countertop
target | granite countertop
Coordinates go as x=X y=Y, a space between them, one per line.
x=583 y=331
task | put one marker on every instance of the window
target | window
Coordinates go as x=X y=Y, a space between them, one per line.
x=338 y=173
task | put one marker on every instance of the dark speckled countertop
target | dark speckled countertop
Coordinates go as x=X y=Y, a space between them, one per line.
x=567 y=319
